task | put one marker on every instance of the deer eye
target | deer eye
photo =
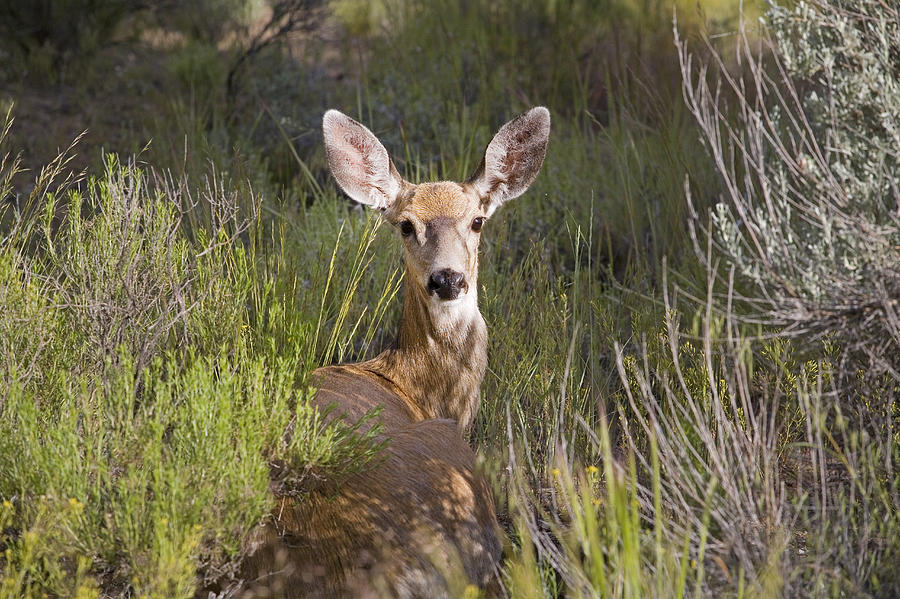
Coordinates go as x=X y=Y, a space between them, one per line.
x=406 y=228
x=477 y=223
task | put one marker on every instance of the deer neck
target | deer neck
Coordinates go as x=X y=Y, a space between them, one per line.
x=439 y=359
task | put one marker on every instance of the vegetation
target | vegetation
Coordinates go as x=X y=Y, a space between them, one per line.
x=698 y=397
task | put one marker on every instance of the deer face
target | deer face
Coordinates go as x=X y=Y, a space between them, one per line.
x=440 y=223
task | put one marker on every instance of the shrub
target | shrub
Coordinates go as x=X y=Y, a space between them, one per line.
x=810 y=175
x=806 y=142
x=150 y=369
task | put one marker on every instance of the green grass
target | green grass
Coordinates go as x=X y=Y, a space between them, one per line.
x=160 y=316
x=151 y=369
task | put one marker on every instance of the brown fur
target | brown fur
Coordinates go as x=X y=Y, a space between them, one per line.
x=423 y=518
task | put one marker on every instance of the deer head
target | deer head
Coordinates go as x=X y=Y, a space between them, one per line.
x=440 y=223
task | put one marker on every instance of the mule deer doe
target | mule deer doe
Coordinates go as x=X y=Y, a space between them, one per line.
x=396 y=528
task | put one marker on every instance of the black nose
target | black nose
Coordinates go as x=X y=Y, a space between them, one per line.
x=446 y=283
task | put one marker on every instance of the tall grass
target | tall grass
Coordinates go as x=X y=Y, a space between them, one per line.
x=152 y=364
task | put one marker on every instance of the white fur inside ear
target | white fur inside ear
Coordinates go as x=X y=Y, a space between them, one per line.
x=513 y=158
x=358 y=161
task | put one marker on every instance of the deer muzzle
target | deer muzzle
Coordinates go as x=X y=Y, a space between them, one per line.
x=447 y=284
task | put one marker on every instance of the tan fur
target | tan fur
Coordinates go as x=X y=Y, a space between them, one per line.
x=423 y=518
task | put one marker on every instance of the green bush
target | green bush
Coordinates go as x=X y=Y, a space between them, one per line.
x=144 y=400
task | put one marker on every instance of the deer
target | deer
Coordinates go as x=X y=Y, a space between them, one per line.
x=423 y=515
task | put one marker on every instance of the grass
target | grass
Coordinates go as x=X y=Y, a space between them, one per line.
x=161 y=314
x=150 y=401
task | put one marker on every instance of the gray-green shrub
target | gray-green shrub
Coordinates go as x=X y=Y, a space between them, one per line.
x=811 y=173
x=806 y=142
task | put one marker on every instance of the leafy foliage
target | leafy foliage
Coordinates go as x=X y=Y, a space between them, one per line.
x=810 y=211
x=808 y=224
x=143 y=406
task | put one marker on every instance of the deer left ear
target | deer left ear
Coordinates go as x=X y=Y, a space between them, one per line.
x=513 y=158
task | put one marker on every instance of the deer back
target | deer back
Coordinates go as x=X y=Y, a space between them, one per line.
x=418 y=524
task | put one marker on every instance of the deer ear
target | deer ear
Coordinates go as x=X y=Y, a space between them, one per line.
x=359 y=162
x=513 y=158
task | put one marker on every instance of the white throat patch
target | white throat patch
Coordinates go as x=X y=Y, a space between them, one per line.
x=452 y=316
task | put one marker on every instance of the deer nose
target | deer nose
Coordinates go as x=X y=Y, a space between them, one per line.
x=446 y=283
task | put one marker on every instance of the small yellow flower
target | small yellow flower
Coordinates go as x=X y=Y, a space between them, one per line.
x=471 y=592
x=75 y=504
x=592 y=470
x=596 y=502
x=7 y=504
x=556 y=472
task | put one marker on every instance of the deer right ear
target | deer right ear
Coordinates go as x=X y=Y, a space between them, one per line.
x=359 y=162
